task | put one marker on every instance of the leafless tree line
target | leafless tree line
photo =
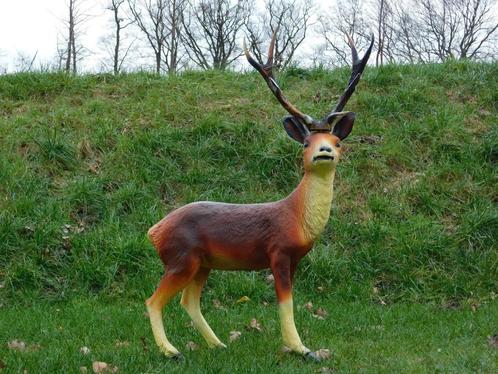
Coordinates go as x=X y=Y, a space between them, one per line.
x=207 y=34
x=415 y=31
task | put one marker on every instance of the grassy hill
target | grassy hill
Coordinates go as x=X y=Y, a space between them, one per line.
x=89 y=163
x=405 y=275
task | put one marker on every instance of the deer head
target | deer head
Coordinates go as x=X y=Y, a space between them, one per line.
x=321 y=138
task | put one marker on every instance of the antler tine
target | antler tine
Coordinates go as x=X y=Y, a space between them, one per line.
x=356 y=71
x=271 y=50
x=353 y=49
x=266 y=72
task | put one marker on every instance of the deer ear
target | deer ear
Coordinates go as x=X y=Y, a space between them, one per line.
x=341 y=123
x=295 y=128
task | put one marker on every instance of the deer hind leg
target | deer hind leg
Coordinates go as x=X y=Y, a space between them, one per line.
x=191 y=303
x=172 y=282
x=283 y=272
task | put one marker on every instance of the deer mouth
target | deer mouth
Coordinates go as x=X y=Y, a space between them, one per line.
x=323 y=158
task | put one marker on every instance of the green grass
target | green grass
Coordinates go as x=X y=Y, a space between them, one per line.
x=361 y=338
x=89 y=163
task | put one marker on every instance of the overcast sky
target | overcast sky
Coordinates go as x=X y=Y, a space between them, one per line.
x=30 y=26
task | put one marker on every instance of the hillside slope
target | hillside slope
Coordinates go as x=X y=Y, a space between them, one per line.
x=89 y=163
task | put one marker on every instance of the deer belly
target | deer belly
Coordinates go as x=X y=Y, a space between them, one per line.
x=243 y=257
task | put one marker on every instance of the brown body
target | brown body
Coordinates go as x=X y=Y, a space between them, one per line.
x=202 y=236
x=231 y=236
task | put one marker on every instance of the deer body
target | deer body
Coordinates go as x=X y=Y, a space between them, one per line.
x=244 y=236
x=202 y=236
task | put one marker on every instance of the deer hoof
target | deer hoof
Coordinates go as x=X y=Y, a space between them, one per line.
x=217 y=345
x=177 y=357
x=312 y=356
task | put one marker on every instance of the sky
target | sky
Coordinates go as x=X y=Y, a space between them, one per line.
x=32 y=26
x=29 y=27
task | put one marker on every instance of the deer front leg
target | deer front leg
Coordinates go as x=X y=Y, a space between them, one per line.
x=282 y=272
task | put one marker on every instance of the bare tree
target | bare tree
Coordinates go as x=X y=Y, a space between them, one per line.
x=349 y=19
x=3 y=66
x=120 y=24
x=161 y=21
x=171 y=54
x=210 y=33
x=438 y=30
x=479 y=26
x=152 y=25
x=291 y=18
x=25 y=62
x=72 y=51
x=383 y=16
x=409 y=44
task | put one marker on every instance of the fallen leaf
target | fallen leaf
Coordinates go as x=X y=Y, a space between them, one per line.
x=375 y=290
x=17 y=345
x=84 y=350
x=190 y=324
x=103 y=367
x=319 y=289
x=99 y=367
x=144 y=344
x=120 y=344
x=234 y=335
x=191 y=346
x=254 y=324
x=83 y=369
x=493 y=341
x=270 y=279
x=323 y=354
x=474 y=307
x=325 y=370
x=320 y=312
x=265 y=303
x=217 y=304
x=308 y=306
x=243 y=299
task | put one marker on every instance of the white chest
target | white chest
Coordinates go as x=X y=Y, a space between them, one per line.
x=317 y=204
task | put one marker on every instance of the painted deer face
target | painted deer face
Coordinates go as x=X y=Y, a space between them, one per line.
x=321 y=152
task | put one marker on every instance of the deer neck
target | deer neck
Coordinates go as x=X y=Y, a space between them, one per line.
x=312 y=200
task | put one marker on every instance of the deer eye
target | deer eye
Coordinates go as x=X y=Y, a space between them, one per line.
x=306 y=144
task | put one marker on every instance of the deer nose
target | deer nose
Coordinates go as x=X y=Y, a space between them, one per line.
x=325 y=149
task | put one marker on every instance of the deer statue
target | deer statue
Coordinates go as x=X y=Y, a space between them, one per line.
x=204 y=235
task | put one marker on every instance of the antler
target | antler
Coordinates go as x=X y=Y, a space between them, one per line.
x=356 y=71
x=266 y=72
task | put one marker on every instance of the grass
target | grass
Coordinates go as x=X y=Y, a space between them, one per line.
x=406 y=338
x=89 y=163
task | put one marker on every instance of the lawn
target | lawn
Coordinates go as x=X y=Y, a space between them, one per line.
x=406 y=269
x=361 y=337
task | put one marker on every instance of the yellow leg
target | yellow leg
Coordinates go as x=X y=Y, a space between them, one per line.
x=156 y=322
x=289 y=332
x=191 y=303
x=169 y=286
